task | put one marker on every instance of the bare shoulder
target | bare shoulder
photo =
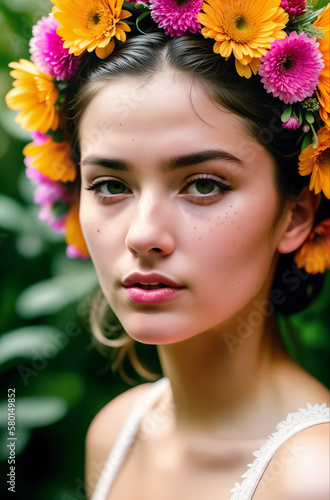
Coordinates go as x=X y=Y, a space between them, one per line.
x=300 y=469
x=103 y=432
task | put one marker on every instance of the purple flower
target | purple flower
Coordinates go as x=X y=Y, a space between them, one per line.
x=176 y=16
x=47 y=51
x=291 y=68
x=48 y=192
x=33 y=174
x=46 y=215
x=72 y=252
x=292 y=123
x=295 y=8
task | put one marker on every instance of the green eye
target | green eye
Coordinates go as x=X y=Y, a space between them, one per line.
x=113 y=188
x=205 y=186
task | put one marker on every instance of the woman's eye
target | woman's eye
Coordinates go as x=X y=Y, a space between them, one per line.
x=109 y=188
x=205 y=187
x=113 y=188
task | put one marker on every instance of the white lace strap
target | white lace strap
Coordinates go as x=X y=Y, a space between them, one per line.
x=126 y=438
x=295 y=422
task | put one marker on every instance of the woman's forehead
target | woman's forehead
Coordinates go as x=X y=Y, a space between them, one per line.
x=168 y=103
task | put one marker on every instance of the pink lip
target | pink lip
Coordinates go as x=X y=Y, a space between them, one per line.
x=168 y=289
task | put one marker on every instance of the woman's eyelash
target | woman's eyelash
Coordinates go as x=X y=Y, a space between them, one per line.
x=222 y=184
x=95 y=185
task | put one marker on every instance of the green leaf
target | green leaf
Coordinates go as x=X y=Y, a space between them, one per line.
x=13 y=19
x=50 y=296
x=286 y=114
x=12 y=214
x=308 y=139
x=309 y=117
x=35 y=411
x=23 y=438
x=31 y=340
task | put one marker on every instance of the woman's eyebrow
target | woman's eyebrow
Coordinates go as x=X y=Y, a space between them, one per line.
x=113 y=163
x=198 y=157
x=168 y=164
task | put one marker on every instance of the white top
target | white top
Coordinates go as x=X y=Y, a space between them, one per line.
x=294 y=423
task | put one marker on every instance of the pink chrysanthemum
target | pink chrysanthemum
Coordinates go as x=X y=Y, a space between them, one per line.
x=176 y=16
x=291 y=68
x=56 y=224
x=291 y=124
x=47 y=51
x=72 y=252
x=33 y=174
x=49 y=192
x=295 y=8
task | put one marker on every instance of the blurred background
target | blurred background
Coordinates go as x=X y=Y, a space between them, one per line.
x=47 y=353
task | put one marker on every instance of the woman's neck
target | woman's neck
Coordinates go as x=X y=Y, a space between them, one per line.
x=217 y=379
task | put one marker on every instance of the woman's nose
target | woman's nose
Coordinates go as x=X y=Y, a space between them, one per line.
x=150 y=231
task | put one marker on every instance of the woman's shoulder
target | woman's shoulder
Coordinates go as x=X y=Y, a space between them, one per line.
x=104 y=429
x=300 y=467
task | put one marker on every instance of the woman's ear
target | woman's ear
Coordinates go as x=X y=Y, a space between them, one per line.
x=301 y=221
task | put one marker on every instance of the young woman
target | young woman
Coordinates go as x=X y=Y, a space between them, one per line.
x=191 y=207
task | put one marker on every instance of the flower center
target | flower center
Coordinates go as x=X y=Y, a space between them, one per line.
x=95 y=18
x=181 y=3
x=324 y=157
x=240 y=27
x=319 y=239
x=286 y=63
x=241 y=24
x=99 y=20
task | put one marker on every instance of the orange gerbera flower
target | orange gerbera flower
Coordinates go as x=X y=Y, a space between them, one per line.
x=316 y=161
x=52 y=159
x=245 y=29
x=90 y=25
x=323 y=87
x=34 y=95
x=314 y=254
x=74 y=234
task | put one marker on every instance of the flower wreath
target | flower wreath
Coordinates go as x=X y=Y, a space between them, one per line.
x=285 y=42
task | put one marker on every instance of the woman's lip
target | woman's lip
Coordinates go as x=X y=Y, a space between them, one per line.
x=149 y=279
x=154 y=296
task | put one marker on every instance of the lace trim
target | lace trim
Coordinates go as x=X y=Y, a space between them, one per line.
x=294 y=423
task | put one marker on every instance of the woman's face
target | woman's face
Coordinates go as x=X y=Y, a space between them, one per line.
x=177 y=208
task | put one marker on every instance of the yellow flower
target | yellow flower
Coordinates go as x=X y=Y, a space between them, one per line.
x=244 y=28
x=323 y=87
x=74 y=234
x=34 y=95
x=316 y=161
x=314 y=254
x=52 y=159
x=90 y=25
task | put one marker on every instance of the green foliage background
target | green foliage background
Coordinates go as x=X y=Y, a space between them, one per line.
x=46 y=351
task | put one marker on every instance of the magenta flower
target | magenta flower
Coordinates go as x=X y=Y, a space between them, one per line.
x=46 y=215
x=291 y=68
x=33 y=174
x=72 y=252
x=292 y=123
x=48 y=192
x=176 y=16
x=47 y=51
x=295 y=8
